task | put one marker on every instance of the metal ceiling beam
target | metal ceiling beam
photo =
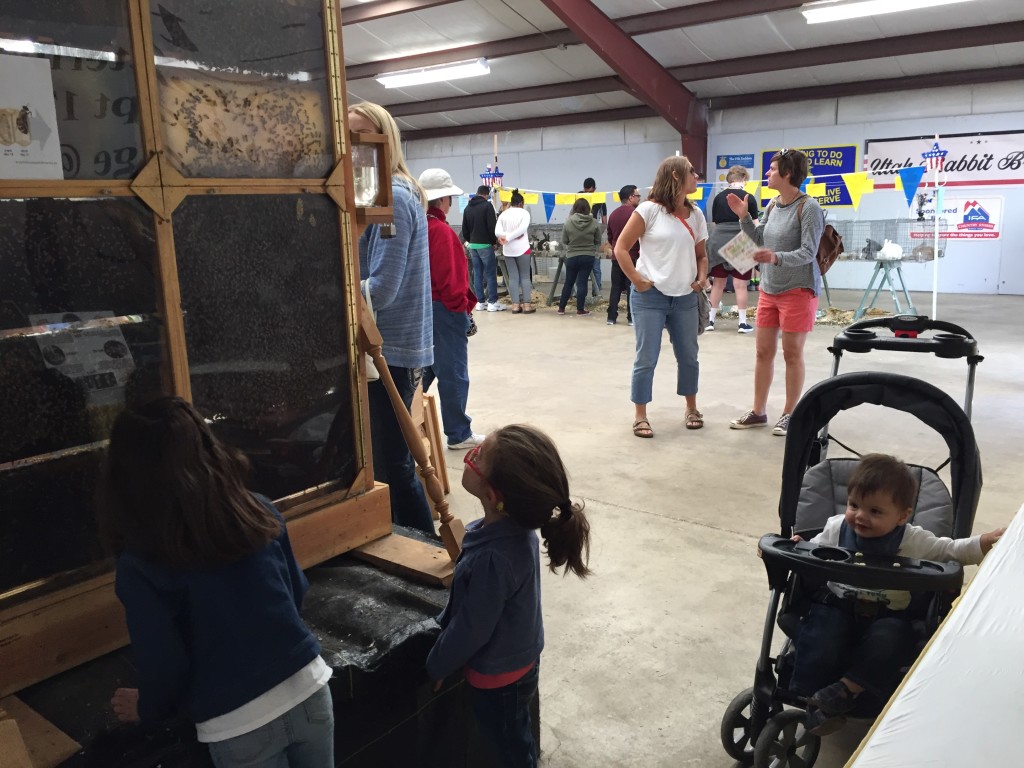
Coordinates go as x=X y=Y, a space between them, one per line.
x=511 y=96
x=381 y=9
x=644 y=23
x=868 y=87
x=647 y=79
x=761 y=98
x=882 y=48
x=504 y=126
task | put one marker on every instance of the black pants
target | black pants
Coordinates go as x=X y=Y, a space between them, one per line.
x=619 y=284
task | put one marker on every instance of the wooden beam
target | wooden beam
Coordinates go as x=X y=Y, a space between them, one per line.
x=47 y=745
x=359 y=14
x=503 y=126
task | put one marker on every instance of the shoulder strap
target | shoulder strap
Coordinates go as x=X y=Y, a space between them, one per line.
x=688 y=228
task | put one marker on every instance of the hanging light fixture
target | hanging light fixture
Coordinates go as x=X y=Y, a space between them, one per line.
x=832 y=10
x=435 y=74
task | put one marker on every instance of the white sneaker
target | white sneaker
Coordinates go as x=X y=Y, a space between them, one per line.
x=495 y=307
x=480 y=307
x=710 y=326
x=470 y=442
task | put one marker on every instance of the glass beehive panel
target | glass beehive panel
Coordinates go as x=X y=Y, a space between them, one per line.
x=77 y=116
x=80 y=335
x=261 y=290
x=242 y=87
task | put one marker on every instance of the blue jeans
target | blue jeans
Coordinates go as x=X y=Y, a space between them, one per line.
x=503 y=715
x=485 y=265
x=833 y=642
x=451 y=369
x=519 y=278
x=303 y=737
x=392 y=461
x=577 y=270
x=653 y=312
x=597 y=276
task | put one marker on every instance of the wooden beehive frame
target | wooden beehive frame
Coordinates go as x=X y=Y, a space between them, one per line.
x=46 y=630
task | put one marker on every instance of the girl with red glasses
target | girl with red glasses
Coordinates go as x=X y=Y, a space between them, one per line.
x=492 y=628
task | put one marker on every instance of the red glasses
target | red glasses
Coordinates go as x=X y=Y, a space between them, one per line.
x=470 y=461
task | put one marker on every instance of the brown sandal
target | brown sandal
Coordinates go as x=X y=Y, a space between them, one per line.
x=642 y=428
x=694 y=419
x=528 y=309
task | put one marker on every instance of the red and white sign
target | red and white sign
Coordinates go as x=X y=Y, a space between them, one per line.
x=964 y=218
x=975 y=160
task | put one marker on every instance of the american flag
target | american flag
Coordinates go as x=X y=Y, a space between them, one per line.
x=936 y=157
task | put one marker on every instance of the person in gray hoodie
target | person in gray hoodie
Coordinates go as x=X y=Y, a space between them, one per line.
x=581 y=236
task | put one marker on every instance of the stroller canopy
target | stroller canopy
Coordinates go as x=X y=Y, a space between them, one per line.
x=931 y=405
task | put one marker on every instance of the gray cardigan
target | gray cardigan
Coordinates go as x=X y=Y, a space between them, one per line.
x=795 y=242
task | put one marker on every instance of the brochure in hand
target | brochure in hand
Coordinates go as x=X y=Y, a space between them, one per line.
x=739 y=252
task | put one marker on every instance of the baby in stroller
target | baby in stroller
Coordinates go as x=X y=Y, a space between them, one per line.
x=854 y=639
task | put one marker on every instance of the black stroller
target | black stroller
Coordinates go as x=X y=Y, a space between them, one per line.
x=764 y=725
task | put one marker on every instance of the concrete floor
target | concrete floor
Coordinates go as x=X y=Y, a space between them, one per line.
x=643 y=658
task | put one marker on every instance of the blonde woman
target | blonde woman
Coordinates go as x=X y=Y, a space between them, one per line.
x=727 y=226
x=672 y=268
x=396 y=272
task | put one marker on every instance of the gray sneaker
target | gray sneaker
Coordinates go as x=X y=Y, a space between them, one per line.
x=781 y=426
x=470 y=442
x=749 y=420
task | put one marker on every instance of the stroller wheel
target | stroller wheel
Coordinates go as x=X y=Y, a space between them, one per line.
x=785 y=743
x=736 y=728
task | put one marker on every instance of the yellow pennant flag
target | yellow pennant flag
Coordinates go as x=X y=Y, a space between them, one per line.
x=531 y=198
x=698 y=195
x=750 y=187
x=505 y=195
x=565 y=198
x=817 y=190
x=767 y=193
x=597 y=197
x=858 y=184
x=899 y=182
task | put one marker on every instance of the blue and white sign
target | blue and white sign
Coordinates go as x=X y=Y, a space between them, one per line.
x=724 y=162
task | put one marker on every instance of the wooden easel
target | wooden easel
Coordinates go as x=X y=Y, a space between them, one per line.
x=399 y=553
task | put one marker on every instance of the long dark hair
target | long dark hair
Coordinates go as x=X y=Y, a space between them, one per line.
x=527 y=471
x=172 y=493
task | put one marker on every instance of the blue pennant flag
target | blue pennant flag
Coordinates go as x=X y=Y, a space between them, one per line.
x=703 y=202
x=549 y=204
x=911 y=178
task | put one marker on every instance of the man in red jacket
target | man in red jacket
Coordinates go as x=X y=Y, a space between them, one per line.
x=452 y=303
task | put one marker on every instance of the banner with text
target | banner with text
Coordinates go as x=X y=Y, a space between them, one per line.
x=986 y=159
x=829 y=162
x=966 y=218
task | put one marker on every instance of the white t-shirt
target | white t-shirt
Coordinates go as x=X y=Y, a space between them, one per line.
x=513 y=224
x=668 y=253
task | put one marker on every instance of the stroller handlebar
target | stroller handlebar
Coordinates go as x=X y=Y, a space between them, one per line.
x=783 y=556
x=950 y=340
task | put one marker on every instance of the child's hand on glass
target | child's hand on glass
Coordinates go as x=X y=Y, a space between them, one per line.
x=126 y=704
x=990 y=538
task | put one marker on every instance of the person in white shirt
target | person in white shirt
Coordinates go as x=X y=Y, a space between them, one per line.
x=672 y=268
x=512 y=232
x=864 y=637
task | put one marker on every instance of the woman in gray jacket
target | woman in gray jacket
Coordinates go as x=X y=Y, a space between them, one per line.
x=581 y=235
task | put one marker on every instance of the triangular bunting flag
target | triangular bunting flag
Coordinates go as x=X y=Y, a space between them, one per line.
x=857 y=184
x=750 y=187
x=911 y=178
x=816 y=190
x=549 y=204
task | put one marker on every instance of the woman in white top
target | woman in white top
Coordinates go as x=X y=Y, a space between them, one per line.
x=672 y=267
x=511 y=231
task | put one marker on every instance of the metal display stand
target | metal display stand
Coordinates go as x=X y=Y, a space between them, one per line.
x=887 y=271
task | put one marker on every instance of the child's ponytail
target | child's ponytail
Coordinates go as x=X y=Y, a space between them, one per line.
x=524 y=466
x=567 y=539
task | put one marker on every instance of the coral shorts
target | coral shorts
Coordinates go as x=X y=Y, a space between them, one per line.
x=793 y=311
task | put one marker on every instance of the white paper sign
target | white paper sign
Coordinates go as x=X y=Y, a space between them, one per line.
x=98 y=358
x=739 y=252
x=29 y=146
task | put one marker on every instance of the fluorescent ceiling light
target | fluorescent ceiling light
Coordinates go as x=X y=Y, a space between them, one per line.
x=436 y=74
x=830 y=10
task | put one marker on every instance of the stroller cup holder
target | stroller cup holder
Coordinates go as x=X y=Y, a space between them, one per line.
x=947 y=341
x=783 y=556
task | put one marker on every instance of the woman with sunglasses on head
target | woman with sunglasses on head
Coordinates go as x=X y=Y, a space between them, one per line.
x=790 y=283
x=672 y=268
x=492 y=628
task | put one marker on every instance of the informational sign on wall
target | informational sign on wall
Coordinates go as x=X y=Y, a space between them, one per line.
x=826 y=165
x=29 y=147
x=977 y=159
x=724 y=162
x=966 y=218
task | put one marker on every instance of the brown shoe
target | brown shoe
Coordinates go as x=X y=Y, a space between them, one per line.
x=749 y=420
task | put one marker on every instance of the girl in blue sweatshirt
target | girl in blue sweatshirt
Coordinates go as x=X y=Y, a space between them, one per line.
x=492 y=628
x=212 y=594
